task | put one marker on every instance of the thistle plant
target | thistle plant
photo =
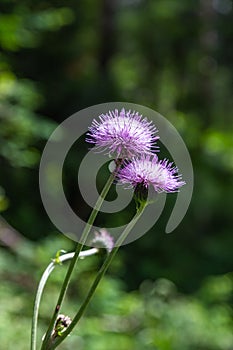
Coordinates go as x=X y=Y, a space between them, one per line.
x=149 y=170
x=131 y=139
x=123 y=134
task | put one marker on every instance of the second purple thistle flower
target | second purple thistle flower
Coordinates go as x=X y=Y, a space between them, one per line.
x=124 y=134
x=149 y=170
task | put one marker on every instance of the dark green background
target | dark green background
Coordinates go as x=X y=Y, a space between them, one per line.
x=175 y=57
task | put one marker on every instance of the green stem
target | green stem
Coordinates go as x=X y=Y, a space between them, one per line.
x=47 y=338
x=42 y=283
x=100 y=274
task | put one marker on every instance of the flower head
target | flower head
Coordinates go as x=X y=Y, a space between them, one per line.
x=148 y=170
x=125 y=134
x=62 y=323
x=103 y=240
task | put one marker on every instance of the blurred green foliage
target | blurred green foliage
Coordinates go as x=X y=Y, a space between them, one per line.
x=172 y=56
x=156 y=316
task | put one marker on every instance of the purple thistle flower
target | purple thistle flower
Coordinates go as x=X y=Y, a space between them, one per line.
x=149 y=170
x=125 y=134
x=103 y=240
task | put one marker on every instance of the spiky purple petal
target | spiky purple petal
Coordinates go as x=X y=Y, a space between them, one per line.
x=149 y=170
x=125 y=134
x=103 y=239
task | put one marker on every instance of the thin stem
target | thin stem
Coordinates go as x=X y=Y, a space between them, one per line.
x=99 y=202
x=55 y=262
x=100 y=274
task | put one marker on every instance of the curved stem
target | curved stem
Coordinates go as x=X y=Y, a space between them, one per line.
x=45 y=344
x=100 y=274
x=42 y=284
